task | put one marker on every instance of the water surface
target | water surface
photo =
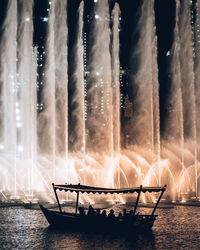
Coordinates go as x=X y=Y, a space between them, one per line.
x=175 y=228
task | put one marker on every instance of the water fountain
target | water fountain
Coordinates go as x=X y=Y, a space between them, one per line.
x=115 y=62
x=41 y=147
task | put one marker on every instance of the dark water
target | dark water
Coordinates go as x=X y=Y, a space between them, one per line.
x=175 y=228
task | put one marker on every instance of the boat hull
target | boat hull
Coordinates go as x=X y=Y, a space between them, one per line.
x=69 y=221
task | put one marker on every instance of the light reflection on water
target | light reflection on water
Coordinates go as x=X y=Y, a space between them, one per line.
x=176 y=228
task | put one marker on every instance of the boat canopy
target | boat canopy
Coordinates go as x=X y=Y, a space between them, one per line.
x=89 y=189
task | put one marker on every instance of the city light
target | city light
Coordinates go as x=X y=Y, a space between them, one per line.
x=45 y=19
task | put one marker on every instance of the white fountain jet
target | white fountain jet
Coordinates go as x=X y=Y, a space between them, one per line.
x=78 y=87
x=9 y=89
x=99 y=91
x=53 y=121
x=196 y=36
x=144 y=122
x=115 y=62
x=26 y=113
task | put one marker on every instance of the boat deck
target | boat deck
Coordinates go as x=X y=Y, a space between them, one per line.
x=73 y=221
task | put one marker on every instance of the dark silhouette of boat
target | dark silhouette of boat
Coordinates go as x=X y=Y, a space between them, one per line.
x=99 y=221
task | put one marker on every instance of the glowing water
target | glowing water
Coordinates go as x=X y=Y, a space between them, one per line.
x=78 y=88
x=9 y=79
x=181 y=127
x=99 y=95
x=34 y=146
x=53 y=121
x=116 y=85
x=197 y=89
x=144 y=77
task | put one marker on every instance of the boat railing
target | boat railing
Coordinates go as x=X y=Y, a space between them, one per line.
x=88 y=189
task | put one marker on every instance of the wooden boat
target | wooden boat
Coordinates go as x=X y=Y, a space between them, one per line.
x=100 y=222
